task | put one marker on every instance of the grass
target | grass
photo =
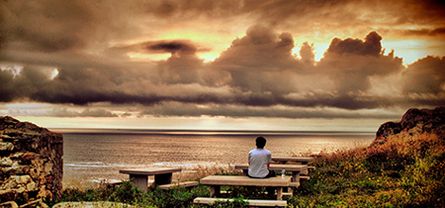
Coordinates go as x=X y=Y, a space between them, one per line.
x=407 y=171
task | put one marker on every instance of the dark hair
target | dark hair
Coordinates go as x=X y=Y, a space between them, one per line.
x=260 y=142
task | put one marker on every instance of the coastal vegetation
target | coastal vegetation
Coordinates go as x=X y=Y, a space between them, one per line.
x=404 y=172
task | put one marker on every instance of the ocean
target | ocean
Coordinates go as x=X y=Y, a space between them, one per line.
x=93 y=155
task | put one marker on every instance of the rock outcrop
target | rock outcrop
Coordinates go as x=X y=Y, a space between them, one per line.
x=31 y=164
x=412 y=122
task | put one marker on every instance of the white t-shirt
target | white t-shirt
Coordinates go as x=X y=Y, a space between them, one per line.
x=258 y=160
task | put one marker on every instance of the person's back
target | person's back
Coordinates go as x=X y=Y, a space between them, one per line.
x=259 y=159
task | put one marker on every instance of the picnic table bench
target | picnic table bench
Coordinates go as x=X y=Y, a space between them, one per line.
x=216 y=181
x=295 y=160
x=184 y=184
x=285 y=160
x=139 y=177
x=293 y=168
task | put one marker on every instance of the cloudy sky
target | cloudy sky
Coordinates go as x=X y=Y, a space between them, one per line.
x=233 y=64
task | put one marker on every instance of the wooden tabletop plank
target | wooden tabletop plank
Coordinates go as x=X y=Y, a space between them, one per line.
x=150 y=171
x=246 y=181
x=293 y=159
x=287 y=167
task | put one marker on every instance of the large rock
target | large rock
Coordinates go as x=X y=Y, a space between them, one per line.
x=414 y=121
x=430 y=120
x=31 y=165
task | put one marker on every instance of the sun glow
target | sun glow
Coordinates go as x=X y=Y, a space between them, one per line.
x=319 y=49
x=148 y=56
x=412 y=50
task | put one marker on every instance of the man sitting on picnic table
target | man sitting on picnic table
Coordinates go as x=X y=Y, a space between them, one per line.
x=259 y=160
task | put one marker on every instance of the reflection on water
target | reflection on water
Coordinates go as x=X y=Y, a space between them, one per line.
x=97 y=154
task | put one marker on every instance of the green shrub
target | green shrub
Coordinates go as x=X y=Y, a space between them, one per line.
x=125 y=193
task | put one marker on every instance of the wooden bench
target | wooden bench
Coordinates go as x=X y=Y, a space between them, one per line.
x=293 y=168
x=295 y=160
x=298 y=160
x=185 y=184
x=139 y=177
x=216 y=181
x=112 y=183
x=250 y=202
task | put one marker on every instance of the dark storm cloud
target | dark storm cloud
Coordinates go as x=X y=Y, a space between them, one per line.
x=7 y=87
x=236 y=111
x=46 y=25
x=427 y=12
x=51 y=25
x=20 y=83
x=371 y=45
x=425 y=76
x=182 y=68
x=278 y=11
x=172 y=47
x=306 y=15
x=161 y=46
x=426 y=32
x=62 y=112
x=193 y=8
x=257 y=70
x=352 y=62
x=261 y=61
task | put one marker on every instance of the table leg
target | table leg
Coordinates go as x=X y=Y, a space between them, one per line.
x=295 y=176
x=163 y=179
x=140 y=181
x=279 y=193
x=290 y=190
x=214 y=191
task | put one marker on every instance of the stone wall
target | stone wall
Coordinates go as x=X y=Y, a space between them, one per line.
x=31 y=164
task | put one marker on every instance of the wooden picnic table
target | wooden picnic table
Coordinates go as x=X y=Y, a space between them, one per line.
x=300 y=160
x=216 y=181
x=139 y=177
x=293 y=168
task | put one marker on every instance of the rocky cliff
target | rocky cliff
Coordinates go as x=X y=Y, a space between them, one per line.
x=31 y=163
x=414 y=121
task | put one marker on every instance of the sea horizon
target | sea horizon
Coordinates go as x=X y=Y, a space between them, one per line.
x=205 y=132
